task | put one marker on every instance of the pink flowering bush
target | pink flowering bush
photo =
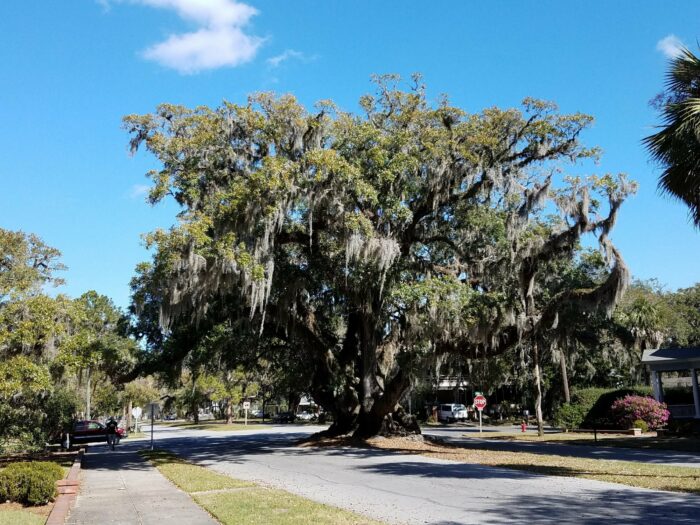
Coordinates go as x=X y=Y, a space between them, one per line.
x=625 y=411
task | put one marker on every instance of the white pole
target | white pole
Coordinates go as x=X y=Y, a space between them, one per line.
x=479 y=421
x=696 y=391
x=246 y=416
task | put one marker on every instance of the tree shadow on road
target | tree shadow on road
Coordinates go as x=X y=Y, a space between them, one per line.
x=625 y=506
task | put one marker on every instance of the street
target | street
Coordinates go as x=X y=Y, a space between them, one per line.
x=399 y=488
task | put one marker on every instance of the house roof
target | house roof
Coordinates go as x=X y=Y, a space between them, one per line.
x=672 y=357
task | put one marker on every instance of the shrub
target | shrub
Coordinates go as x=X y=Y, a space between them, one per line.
x=569 y=416
x=597 y=403
x=630 y=408
x=641 y=425
x=30 y=483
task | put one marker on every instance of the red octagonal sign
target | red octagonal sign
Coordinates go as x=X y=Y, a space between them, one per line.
x=480 y=402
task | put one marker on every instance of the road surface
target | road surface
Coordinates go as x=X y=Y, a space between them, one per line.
x=398 y=488
x=456 y=435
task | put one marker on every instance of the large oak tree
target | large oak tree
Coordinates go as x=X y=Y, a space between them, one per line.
x=370 y=242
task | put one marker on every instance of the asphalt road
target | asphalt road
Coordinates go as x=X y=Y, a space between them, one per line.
x=398 y=488
x=456 y=435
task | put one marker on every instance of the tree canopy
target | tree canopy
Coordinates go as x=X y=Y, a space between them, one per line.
x=372 y=242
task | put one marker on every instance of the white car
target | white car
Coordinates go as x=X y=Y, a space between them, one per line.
x=453 y=412
x=305 y=416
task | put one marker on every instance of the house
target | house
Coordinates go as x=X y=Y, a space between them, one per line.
x=674 y=379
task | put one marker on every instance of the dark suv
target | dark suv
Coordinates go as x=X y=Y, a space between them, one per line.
x=87 y=431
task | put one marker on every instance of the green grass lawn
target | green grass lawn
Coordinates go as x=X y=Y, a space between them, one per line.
x=20 y=517
x=233 y=501
x=649 y=441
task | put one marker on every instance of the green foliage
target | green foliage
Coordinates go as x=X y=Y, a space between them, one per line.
x=675 y=146
x=26 y=264
x=363 y=246
x=30 y=483
x=569 y=416
x=59 y=412
x=642 y=425
x=47 y=343
x=595 y=403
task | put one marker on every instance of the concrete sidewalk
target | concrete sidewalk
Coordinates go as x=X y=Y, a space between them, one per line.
x=120 y=487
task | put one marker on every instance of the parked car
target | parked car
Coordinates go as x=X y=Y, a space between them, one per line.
x=88 y=431
x=283 y=417
x=306 y=416
x=452 y=412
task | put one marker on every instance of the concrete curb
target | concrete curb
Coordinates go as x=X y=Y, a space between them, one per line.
x=67 y=493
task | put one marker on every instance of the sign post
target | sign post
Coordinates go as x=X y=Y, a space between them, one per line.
x=152 y=407
x=480 y=404
x=246 y=407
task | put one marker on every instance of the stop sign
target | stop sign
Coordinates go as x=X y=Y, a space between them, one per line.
x=480 y=402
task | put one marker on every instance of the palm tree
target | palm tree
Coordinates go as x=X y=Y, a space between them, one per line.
x=677 y=145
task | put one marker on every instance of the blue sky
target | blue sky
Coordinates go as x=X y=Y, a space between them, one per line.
x=72 y=69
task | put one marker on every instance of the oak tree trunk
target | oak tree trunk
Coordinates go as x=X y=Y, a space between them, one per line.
x=229 y=411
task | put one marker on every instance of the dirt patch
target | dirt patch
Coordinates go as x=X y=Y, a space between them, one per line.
x=332 y=442
x=41 y=510
x=63 y=458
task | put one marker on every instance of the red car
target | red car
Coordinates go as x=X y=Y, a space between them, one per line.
x=91 y=431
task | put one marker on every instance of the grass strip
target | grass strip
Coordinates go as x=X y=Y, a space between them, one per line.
x=635 y=474
x=233 y=501
x=189 y=477
x=20 y=517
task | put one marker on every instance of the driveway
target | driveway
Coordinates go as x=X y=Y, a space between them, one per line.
x=399 y=488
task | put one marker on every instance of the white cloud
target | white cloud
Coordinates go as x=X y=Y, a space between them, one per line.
x=139 y=190
x=289 y=54
x=671 y=46
x=219 y=41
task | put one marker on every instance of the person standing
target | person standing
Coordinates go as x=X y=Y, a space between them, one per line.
x=111 y=432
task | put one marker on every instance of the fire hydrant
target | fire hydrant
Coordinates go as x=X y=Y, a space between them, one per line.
x=523 y=426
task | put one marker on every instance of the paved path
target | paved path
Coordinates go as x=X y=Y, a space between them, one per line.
x=119 y=487
x=455 y=435
x=410 y=489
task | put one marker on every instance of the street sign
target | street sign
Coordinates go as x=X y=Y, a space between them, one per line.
x=480 y=404
x=136 y=412
x=246 y=406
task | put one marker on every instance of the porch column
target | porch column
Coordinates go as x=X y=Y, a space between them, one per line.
x=656 y=386
x=696 y=393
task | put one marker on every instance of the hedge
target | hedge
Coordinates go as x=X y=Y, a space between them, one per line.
x=30 y=483
x=590 y=407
